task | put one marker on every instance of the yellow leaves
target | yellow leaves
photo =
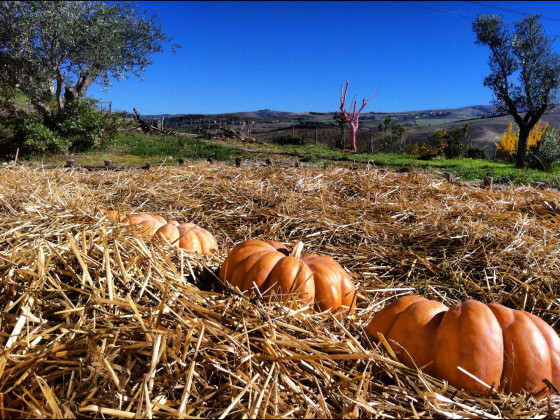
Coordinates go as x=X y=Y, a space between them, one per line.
x=508 y=141
x=536 y=134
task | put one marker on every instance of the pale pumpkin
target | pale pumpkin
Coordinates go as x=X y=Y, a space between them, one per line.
x=147 y=223
x=115 y=215
x=270 y=267
x=505 y=348
x=188 y=236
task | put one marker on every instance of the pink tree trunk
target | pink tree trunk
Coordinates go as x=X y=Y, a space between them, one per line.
x=351 y=118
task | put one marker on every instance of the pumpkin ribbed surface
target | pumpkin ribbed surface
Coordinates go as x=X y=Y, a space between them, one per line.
x=187 y=236
x=503 y=347
x=147 y=223
x=269 y=267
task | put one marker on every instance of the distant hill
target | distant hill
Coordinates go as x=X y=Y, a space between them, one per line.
x=445 y=113
x=486 y=126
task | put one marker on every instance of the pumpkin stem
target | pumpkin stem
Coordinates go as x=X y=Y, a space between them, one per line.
x=296 y=251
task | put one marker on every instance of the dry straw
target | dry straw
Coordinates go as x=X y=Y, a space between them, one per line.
x=98 y=321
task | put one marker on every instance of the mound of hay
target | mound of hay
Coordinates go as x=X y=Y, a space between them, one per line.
x=99 y=321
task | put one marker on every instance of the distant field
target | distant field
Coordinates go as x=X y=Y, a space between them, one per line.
x=427 y=122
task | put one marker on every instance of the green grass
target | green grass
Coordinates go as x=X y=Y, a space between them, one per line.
x=465 y=169
x=175 y=147
x=137 y=149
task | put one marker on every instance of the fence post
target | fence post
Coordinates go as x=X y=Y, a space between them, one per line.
x=315 y=135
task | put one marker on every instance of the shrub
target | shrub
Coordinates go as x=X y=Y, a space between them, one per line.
x=289 y=139
x=39 y=139
x=477 y=152
x=452 y=144
x=454 y=147
x=509 y=139
x=27 y=133
x=79 y=126
x=420 y=149
x=84 y=126
x=546 y=153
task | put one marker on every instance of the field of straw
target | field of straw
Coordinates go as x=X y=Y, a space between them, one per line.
x=100 y=322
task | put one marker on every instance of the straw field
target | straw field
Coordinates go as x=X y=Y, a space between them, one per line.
x=100 y=322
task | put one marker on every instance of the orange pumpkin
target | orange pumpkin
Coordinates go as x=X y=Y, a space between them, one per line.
x=503 y=347
x=114 y=215
x=270 y=267
x=188 y=236
x=146 y=222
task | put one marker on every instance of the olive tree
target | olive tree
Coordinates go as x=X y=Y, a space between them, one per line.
x=56 y=50
x=528 y=55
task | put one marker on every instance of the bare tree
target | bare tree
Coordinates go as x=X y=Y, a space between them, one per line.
x=352 y=118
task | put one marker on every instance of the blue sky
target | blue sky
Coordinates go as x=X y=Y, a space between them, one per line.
x=294 y=56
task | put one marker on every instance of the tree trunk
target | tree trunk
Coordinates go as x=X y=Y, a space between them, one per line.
x=353 y=139
x=45 y=111
x=81 y=87
x=522 y=147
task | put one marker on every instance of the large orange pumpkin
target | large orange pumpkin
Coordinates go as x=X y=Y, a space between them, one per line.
x=272 y=269
x=510 y=349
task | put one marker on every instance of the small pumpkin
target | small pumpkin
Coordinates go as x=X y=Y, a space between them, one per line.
x=507 y=348
x=114 y=215
x=273 y=268
x=188 y=236
x=146 y=222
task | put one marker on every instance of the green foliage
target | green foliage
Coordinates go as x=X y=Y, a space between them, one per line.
x=289 y=139
x=77 y=127
x=39 y=139
x=32 y=137
x=527 y=54
x=477 y=152
x=60 y=48
x=391 y=138
x=147 y=146
x=452 y=144
x=339 y=119
x=546 y=153
x=84 y=126
x=398 y=136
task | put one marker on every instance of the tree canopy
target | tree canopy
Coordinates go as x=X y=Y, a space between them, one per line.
x=526 y=54
x=60 y=48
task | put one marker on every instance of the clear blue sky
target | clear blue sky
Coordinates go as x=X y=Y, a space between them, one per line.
x=294 y=56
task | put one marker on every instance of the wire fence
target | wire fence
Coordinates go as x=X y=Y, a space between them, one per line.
x=367 y=139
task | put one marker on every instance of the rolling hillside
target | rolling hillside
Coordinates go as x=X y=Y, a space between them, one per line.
x=486 y=127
